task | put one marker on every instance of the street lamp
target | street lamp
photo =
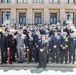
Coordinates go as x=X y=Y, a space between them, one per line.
x=68 y=15
x=7 y=15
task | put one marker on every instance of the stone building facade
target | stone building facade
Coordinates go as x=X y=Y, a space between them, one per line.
x=37 y=11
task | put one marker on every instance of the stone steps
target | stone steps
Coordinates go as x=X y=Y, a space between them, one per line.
x=36 y=64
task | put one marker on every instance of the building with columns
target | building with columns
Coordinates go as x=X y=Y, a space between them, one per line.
x=37 y=11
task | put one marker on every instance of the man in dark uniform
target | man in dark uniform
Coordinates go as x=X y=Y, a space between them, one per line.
x=12 y=45
x=48 y=44
x=36 y=51
x=67 y=29
x=42 y=52
x=51 y=33
x=2 y=47
x=72 y=46
x=64 y=47
x=55 y=46
x=29 y=45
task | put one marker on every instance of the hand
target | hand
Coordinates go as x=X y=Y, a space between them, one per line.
x=8 y=48
x=37 y=46
x=66 y=45
x=49 y=49
x=27 y=49
x=54 y=46
x=41 y=50
x=63 y=47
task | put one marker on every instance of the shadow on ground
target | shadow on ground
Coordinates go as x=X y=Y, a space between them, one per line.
x=35 y=70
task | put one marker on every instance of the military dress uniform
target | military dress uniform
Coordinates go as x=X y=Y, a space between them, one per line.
x=3 y=49
x=42 y=55
x=55 y=41
x=48 y=47
x=72 y=47
x=29 y=45
x=12 y=43
x=64 y=49
x=36 y=51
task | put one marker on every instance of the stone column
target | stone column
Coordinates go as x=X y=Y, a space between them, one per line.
x=46 y=15
x=29 y=16
x=62 y=15
x=0 y=1
x=13 y=1
x=13 y=15
x=75 y=18
x=62 y=2
x=29 y=1
x=46 y=1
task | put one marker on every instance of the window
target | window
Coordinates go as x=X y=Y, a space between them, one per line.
x=53 y=18
x=22 y=18
x=69 y=16
x=51 y=1
x=8 y=1
x=56 y=1
x=18 y=1
x=2 y=1
x=72 y=1
x=34 y=1
x=38 y=18
x=24 y=1
x=66 y=1
x=6 y=16
x=40 y=1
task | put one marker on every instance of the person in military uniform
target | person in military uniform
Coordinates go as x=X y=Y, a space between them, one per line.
x=72 y=46
x=64 y=47
x=67 y=29
x=55 y=46
x=36 y=51
x=42 y=52
x=29 y=46
x=2 y=47
x=48 y=44
x=51 y=32
x=12 y=45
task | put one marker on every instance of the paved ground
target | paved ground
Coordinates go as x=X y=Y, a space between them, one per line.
x=35 y=71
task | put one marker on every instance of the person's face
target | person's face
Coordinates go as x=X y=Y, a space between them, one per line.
x=64 y=35
x=12 y=33
x=71 y=34
x=29 y=35
x=55 y=33
x=47 y=35
x=43 y=37
x=20 y=32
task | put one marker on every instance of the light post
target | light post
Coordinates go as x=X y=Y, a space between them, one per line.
x=68 y=15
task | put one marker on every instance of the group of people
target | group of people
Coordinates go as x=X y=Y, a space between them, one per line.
x=38 y=42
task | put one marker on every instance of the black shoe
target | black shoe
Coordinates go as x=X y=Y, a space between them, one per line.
x=2 y=63
x=73 y=63
x=10 y=62
x=21 y=61
x=18 y=62
x=65 y=62
x=44 y=67
x=39 y=67
x=5 y=63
